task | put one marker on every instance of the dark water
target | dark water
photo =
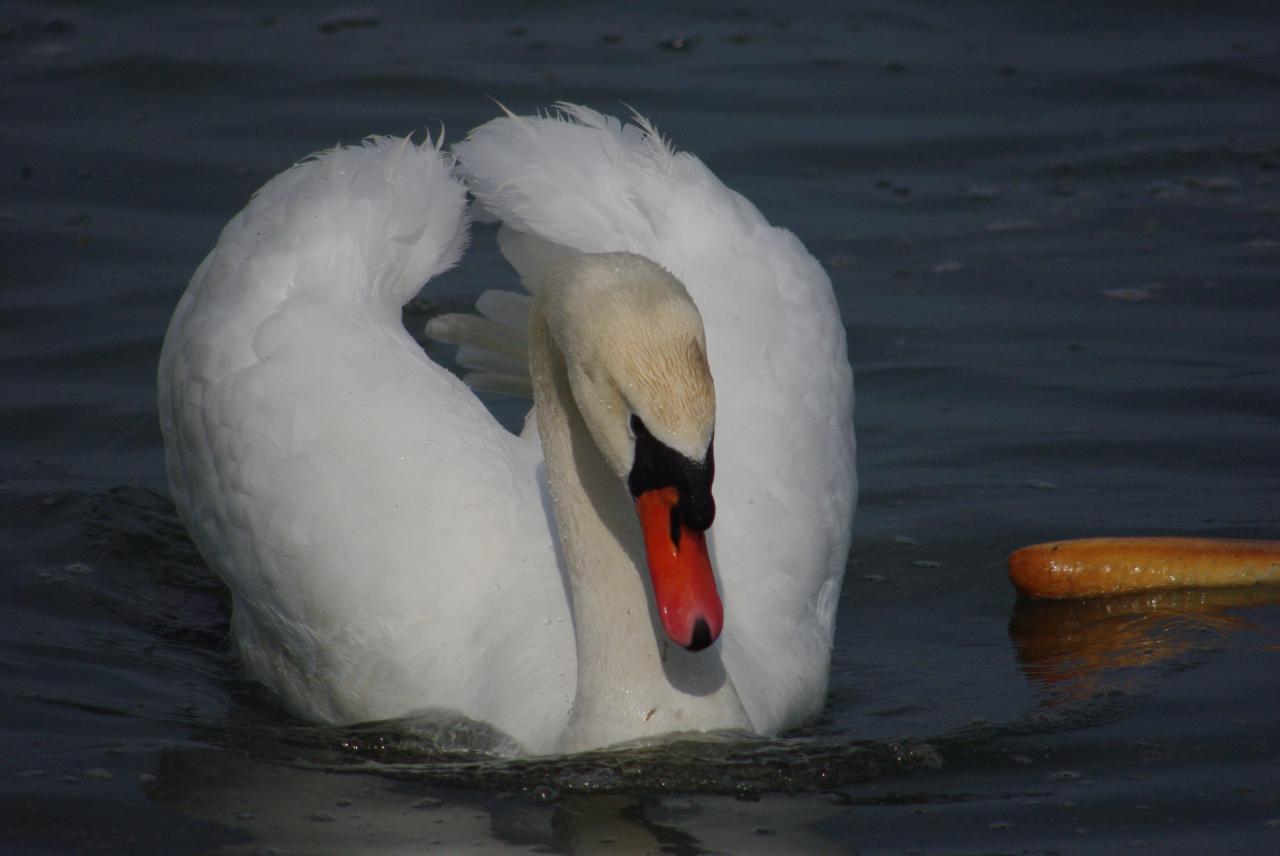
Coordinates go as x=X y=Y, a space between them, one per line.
x=1054 y=231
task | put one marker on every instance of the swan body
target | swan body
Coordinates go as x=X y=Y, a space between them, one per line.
x=393 y=551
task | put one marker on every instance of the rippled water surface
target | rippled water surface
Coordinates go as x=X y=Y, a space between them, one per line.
x=1054 y=232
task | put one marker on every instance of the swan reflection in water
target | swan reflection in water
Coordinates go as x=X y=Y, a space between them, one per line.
x=1073 y=650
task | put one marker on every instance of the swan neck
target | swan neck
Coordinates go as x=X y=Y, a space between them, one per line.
x=595 y=519
x=632 y=681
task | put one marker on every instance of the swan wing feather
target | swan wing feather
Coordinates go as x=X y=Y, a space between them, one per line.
x=578 y=181
x=384 y=538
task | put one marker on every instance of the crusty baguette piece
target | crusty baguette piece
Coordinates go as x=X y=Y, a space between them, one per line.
x=1102 y=566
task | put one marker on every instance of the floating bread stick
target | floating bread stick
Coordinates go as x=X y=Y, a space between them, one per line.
x=1102 y=566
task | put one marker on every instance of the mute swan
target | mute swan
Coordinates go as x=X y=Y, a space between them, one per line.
x=393 y=551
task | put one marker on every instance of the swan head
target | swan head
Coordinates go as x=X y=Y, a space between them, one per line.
x=635 y=357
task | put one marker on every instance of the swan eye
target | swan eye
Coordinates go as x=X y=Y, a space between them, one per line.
x=638 y=429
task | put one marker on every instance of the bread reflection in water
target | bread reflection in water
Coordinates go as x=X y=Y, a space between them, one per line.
x=1072 y=650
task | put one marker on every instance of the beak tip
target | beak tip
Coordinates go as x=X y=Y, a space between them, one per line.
x=702 y=636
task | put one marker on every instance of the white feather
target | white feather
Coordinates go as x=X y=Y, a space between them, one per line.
x=385 y=540
x=387 y=543
x=577 y=181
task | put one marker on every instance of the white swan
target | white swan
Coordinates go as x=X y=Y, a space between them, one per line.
x=392 y=550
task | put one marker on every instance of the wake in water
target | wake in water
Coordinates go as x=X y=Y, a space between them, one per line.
x=1089 y=662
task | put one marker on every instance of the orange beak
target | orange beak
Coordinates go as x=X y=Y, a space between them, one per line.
x=683 y=584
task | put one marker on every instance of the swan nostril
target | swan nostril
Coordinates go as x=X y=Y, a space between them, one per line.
x=701 y=636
